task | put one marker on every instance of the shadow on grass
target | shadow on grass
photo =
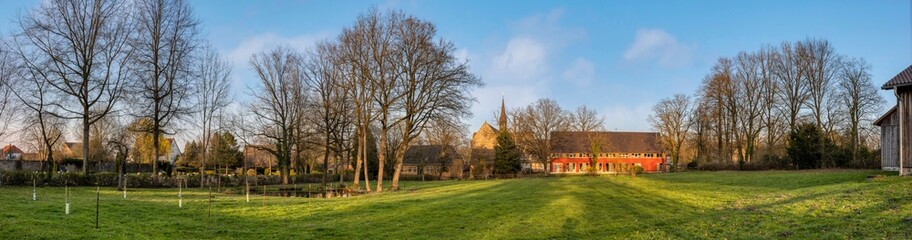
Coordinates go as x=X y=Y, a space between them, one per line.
x=722 y=205
x=769 y=180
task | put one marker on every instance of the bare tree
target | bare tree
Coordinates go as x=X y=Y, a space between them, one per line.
x=793 y=88
x=749 y=82
x=212 y=89
x=671 y=118
x=585 y=119
x=700 y=126
x=762 y=96
x=36 y=97
x=8 y=72
x=433 y=84
x=84 y=44
x=533 y=127
x=821 y=64
x=355 y=60
x=278 y=101
x=120 y=142
x=331 y=106
x=166 y=38
x=718 y=93
x=771 y=115
x=375 y=34
x=859 y=99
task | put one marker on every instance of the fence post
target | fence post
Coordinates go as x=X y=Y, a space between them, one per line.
x=67 y=189
x=97 y=200
x=34 y=191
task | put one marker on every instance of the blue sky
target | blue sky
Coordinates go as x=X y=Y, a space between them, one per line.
x=618 y=57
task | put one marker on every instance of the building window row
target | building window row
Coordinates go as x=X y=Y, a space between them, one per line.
x=606 y=155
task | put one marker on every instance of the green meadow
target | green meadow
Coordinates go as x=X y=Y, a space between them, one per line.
x=735 y=205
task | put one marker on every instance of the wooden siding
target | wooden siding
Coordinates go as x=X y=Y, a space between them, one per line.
x=905 y=114
x=889 y=140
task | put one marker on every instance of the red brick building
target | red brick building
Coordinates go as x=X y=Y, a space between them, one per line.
x=613 y=152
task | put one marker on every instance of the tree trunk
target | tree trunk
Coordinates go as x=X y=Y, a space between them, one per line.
x=358 y=159
x=325 y=159
x=155 y=154
x=366 y=179
x=399 y=155
x=381 y=158
x=340 y=167
x=51 y=165
x=203 y=167
x=85 y=142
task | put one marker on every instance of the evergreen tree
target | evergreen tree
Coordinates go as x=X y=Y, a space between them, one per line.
x=192 y=155
x=224 y=150
x=805 y=146
x=506 y=155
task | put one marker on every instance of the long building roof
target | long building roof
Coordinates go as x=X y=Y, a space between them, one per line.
x=629 y=142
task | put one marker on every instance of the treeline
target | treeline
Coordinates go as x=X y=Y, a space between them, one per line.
x=797 y=105
x=132 y=71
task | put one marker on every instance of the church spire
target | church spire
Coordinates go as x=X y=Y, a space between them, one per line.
x=502 y=122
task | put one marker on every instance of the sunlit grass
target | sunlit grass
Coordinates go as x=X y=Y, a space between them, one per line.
x=775 y=204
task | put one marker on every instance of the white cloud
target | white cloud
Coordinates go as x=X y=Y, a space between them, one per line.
x=656 y=44
x=523 y=68
x=523 y=59
x=581 y=72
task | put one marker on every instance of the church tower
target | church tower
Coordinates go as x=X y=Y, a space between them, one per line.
x=502 y=122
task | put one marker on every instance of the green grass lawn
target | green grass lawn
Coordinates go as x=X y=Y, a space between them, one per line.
x=776 y=204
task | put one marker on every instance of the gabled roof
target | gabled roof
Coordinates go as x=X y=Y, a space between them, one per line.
x=429 y=154
x=885 y=116
x=904 y=78
x=174 y=146
x=622 y=142
x=487 y=127
x=11 y=149
x=72 y=145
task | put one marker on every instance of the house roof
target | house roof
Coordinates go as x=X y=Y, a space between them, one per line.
x=174 y=146
x=904 y=78
x=429 y=154
x=72 y=145
x=630 y=142
x=11 y=149
x=885 y=116
x=485 y=127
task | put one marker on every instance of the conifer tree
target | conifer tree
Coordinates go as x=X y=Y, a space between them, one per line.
x=506 y=154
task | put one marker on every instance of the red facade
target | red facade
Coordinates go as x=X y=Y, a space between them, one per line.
x=605 y=164
x=615 y=152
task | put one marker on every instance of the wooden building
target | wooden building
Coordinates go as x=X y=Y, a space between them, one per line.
x=889 y=140
x=571 y=152
x=901 y=84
